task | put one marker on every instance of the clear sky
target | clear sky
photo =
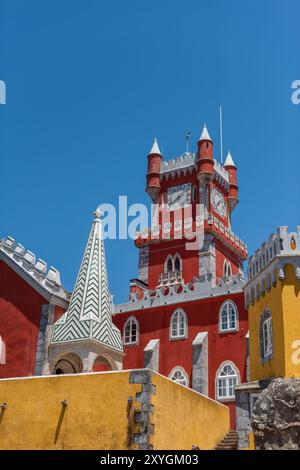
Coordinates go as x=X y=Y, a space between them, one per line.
x=91 y=83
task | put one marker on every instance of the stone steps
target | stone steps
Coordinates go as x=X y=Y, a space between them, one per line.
x=230 y=442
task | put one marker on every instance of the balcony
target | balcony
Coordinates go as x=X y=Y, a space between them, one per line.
x=170 y=278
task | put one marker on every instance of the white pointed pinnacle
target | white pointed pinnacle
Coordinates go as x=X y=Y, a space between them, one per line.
x=155 y=148
x=97 y=213
x=229 y=160
x=205 y=135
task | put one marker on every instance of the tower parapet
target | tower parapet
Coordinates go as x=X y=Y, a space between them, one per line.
x=268 y=263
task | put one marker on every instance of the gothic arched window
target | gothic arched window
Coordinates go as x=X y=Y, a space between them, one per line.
x=169 y=265
x=131 y=331
x=178 y=325
x=228 y=317
x=179 y=375
x=226 y=380
x=177 y=263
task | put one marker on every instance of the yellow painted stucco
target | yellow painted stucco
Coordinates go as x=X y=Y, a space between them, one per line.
x=184 y=418
x=100 y=413
x=95 y=417
x=284 y=302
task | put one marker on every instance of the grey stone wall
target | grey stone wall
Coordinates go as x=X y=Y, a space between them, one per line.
x=200 y=363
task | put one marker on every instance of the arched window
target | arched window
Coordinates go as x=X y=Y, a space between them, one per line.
x=178 y=325
x=226 y=380
x=179 y=375
x=228 y=317
x=131 y=331
x=169 y=265
x=177 y=263
x=266 y=335
x=227 y=269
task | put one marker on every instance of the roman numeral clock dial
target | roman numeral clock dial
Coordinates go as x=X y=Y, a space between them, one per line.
x=179 y=196
x=218 y=202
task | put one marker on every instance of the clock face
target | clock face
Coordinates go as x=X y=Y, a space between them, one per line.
x=218 y=202
x=179 y=196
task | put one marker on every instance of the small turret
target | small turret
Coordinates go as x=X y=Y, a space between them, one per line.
x=229 y=165
x=153 y=173
x=205 y=157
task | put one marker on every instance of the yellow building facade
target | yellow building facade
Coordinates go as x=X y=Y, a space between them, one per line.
x=273 y=301
x=272 y=297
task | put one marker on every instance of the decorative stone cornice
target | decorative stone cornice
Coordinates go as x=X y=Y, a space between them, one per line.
x=46 y=281
x=199 y=289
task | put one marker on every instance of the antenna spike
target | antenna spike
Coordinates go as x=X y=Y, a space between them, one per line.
x=221 y=134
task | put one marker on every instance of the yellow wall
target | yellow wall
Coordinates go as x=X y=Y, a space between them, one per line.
x=284 y=302
x=98 y=415
x=183 y=418
x=95 y=418
x=291 y=318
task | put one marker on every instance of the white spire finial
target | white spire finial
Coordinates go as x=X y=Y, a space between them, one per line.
x=205 y=135
x=98 y=213
x=155 y=148
x=229 y=160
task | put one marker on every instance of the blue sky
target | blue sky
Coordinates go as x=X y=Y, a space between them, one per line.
x=90 y=84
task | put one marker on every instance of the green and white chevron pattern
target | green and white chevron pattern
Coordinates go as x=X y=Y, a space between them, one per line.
x=89 y=312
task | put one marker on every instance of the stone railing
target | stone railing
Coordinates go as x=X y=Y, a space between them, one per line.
x=170 y=278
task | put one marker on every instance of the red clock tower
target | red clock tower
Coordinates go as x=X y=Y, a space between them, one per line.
x=186 y=317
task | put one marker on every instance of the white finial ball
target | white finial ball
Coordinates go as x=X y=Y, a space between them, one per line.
x=98 y=213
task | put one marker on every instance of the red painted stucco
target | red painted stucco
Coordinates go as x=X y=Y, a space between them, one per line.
x=203 y=315
x=20 y=312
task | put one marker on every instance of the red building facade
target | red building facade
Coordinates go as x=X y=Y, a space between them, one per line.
x=31 y=299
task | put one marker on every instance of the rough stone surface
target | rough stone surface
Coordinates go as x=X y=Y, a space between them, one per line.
x=276 y=416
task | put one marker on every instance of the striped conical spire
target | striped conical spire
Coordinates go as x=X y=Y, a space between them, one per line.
x=90 y=310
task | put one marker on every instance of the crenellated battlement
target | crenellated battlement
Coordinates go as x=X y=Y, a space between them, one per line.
x=184 y=163
x=199 y=289
x=280 y=243
x=187 y=163
x=36 y=269
x=268 y=263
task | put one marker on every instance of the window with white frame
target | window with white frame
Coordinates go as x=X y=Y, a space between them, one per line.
x=227 y=271
x=267 y=337
x=131 y=331
x=227 y=379
x=173 y=263
x=179 y=375
x=178 y=325
x=228 y=317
